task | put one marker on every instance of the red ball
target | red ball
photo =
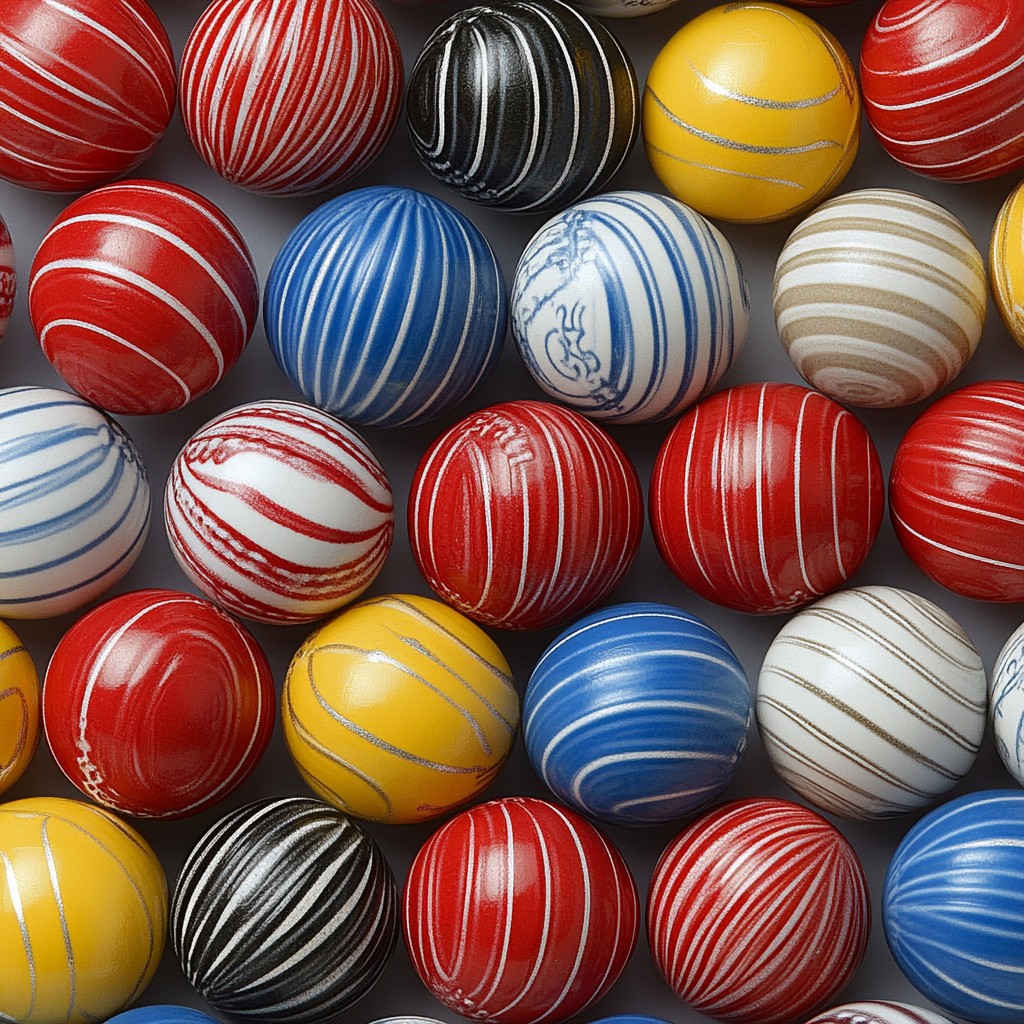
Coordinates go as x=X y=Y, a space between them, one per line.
x=956 y=491
x=766 y=496
x=524 y=514
x=520 y=912
x=158 y=704
x=88 y=90
x=290 y=96
x=758 y=912
x=941 y=83
x=143 y=295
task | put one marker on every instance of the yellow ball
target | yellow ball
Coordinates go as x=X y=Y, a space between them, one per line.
x=1006 y=263
x=19 y=708
x=751 y=113
x=399 y=709
x=83 y=912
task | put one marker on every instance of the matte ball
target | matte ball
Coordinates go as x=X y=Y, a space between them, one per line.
x=519 y=911
x=751 y=112
x=386 y=307
x=290 y=97
x=525 y=105
x=496 y=521
x=83 y=912
x=872 y=702
x=8 y=278
x=936 y=79
x=629 y=307
x=758 y=912
x=19 y=708
x=143 y=295
x=74 y=502
x=956 y=489
x=879 y=298
x=953 y=907
x=1006 y=263
x=637 y=714
x=795 y=504
x=1006 y=703
x=279 y=512
x=162 y=1013
x=285 y=910
x=879 y=1011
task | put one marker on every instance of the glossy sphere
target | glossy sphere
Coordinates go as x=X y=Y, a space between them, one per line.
x=143 y=295
x=162 y=1013
x=519 y=911
x=285 y=910
x=19 y=708
x=622 y=8
x=287 y=97
x=879 y=298
x=8 y=277
x=158 y=704
x=878 y=1011
x=1006 y=704
x=766 y=496
x=629 y=307
x=1006 y=263
x=524 y=105
x=936 y=75
x=83 y=912
x=279 y=512
x=957 y=487
x=953 y=907
x=460 y=710
x=751 y=112
x=758 y=912
x=637 y=714
x=386 y=307
x=74 y=502
x=497 y=524
x=871 y=702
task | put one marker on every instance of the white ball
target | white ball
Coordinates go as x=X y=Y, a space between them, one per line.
x=1006 y=704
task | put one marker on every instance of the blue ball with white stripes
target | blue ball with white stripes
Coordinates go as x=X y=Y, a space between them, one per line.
x=386 y=307
x=637 y=714
x=953 y=906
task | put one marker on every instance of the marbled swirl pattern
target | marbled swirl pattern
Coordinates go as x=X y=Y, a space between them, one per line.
x=1006 y=703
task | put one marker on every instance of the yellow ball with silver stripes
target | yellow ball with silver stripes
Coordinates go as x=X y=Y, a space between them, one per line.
x=751 y=113
x=1006 y=263
x=83 y=912
x=399 y=709
x=19 y=708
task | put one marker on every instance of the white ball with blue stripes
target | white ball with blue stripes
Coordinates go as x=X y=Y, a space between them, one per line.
x=1006 y=704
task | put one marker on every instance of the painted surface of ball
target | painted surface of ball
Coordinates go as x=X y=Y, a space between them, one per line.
x=519 y=911
x=795 y=502
x=953 y=907
x=385 y=306
x=74 y=502
x=8 y=277
x=637 y=714
x=758 y=912
x=622 y=8
x=1006 y=703
x=83 y=912
x=279 y=512
x=290 y=97
x=496 y=521
x=522 y=105
x=879 y=1011
x=956 y=489
x=1006 y=263
x=629 y=307
x=751 y=112
x=879 y=298
x=285 y=910
x=143 y=295
x=871 y=702
x=162 y=1013
x=936 y=76
x=19 y=707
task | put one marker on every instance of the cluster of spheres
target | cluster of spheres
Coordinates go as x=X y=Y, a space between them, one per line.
x=497 y=501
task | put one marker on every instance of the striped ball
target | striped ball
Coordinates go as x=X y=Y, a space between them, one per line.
x=1006 y=703
x=629 y=307
x=871 y=703
x=279 y=512
x=284 y=910
x=751 y=112
x=8 y=278
x=518 y=911
x=290 y=97
x=1006 y=263
x=637 y=714
x=19 y=708
x=879 y=1011
x=74 y=502
x=758 y=912
x=143 y=295
x=523 y=105
x=879 y=298
x=953 y=906
x=386 y=307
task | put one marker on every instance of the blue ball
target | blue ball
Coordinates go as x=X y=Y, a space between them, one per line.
x=163 y=1013
x=953 y=906
x=638 y=714
x=386 y=307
